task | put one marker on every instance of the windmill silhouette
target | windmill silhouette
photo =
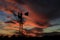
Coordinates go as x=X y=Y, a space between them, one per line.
x=20 y=20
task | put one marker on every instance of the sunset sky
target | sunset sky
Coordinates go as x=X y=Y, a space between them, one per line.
x=43 y=14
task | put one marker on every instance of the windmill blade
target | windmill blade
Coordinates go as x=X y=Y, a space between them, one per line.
x=13 y=12
x=10 y=22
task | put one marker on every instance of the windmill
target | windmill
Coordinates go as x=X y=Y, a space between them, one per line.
x=20 y=20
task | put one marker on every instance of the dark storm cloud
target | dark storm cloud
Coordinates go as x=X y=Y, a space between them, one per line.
x=48 y=7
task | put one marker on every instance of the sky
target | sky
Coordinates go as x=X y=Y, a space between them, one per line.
x=47 y=7
x=40 y=12
x=6 y=28
x=3 y=16
x=50 y=9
